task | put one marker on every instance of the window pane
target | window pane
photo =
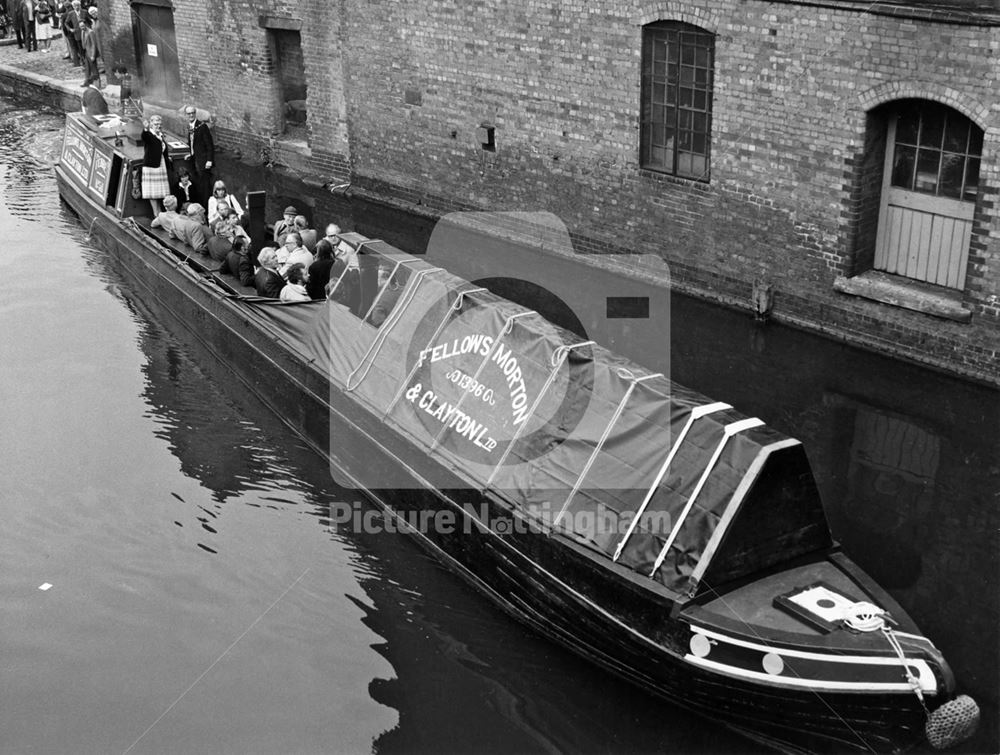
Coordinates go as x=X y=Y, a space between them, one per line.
x=660 y=68
x=700 y=100
x=684 y=141
x=701 y=56
x=686 y=97
x=668 y=115
x=907 y=125
x=684 y=120
x=657 y=91
x=687 y=54
x=672 y=72
x=699 y=166
x=684 y=166
x=902 y=167
x=931 y=127
x=699 y=122
x=956 y=133
x=971 y=179
x=699 y=143
x=701 y=77
x=952 y=173
x=659 y=157
x=687 y=75
x=976 y=143
x=928 y=161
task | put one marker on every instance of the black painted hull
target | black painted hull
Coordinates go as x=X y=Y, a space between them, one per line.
x=548 y=582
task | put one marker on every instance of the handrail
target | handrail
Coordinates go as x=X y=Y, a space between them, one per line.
x=633 y=382
x=696 y=413
x=508 y=326
x=557 y=359
x=727 y=433
x=454 y=307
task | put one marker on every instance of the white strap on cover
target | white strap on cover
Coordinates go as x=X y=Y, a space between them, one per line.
x=728 y=432
x=696 y=413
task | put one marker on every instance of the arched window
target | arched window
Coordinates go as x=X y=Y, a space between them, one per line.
x=676 y=121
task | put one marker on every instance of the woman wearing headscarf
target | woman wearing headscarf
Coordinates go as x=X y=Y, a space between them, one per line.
x=155 y=163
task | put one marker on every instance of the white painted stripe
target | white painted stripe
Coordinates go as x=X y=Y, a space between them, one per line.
x=794 y=681
x=926 y=677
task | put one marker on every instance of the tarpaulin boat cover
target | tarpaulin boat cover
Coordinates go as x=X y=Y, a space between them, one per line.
x=644 y=472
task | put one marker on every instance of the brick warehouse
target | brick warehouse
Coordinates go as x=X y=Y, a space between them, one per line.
x=839 y=154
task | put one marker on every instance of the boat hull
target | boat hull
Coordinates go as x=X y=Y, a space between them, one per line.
x=559 y=589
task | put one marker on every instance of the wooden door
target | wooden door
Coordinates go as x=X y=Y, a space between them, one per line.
x=156 y=51
x=929 y=189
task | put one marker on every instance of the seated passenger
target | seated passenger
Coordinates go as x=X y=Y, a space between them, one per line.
x=192 y=229
x=286 y=224
x=219 y=194
x=168 y=217
x=227 y=231
x=296 y=253
x=222 y=210
x=295 y=289
x=307 y=234
x=267 y=280
x=319 y=271
x=238 y=262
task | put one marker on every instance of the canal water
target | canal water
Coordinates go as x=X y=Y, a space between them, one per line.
x=171 y=581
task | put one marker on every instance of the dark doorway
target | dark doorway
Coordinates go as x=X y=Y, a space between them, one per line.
x=156 y=51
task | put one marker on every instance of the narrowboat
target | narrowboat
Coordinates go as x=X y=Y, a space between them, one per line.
x=657 y=533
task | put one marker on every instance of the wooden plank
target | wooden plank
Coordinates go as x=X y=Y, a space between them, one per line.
x=942 y=261
x=927 y=269
x=893 y=240
x=963 y=232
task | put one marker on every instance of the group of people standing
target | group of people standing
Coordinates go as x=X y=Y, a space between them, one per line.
x=189 y=182
x=38 y=21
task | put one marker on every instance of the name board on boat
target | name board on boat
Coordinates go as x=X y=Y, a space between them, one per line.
x=100 y=170
x=77 y=151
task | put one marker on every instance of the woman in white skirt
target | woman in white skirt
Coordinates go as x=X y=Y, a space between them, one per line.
x=155 y=164
x=43 y=23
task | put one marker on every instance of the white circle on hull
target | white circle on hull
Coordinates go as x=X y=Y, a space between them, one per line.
x=773 y=664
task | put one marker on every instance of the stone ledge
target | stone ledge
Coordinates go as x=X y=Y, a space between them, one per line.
x=906 y=293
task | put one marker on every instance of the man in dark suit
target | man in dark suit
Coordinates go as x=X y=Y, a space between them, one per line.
x=28 y=25
x=202 y=149
x=73 y=29
x=14 y=13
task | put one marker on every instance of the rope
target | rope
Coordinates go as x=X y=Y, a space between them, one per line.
x=867 y=617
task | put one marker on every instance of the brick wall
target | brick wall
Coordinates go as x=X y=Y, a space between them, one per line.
x=798 y=140
x=397 y=91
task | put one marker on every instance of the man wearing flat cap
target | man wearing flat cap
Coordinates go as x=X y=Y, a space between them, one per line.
x=286 y=224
